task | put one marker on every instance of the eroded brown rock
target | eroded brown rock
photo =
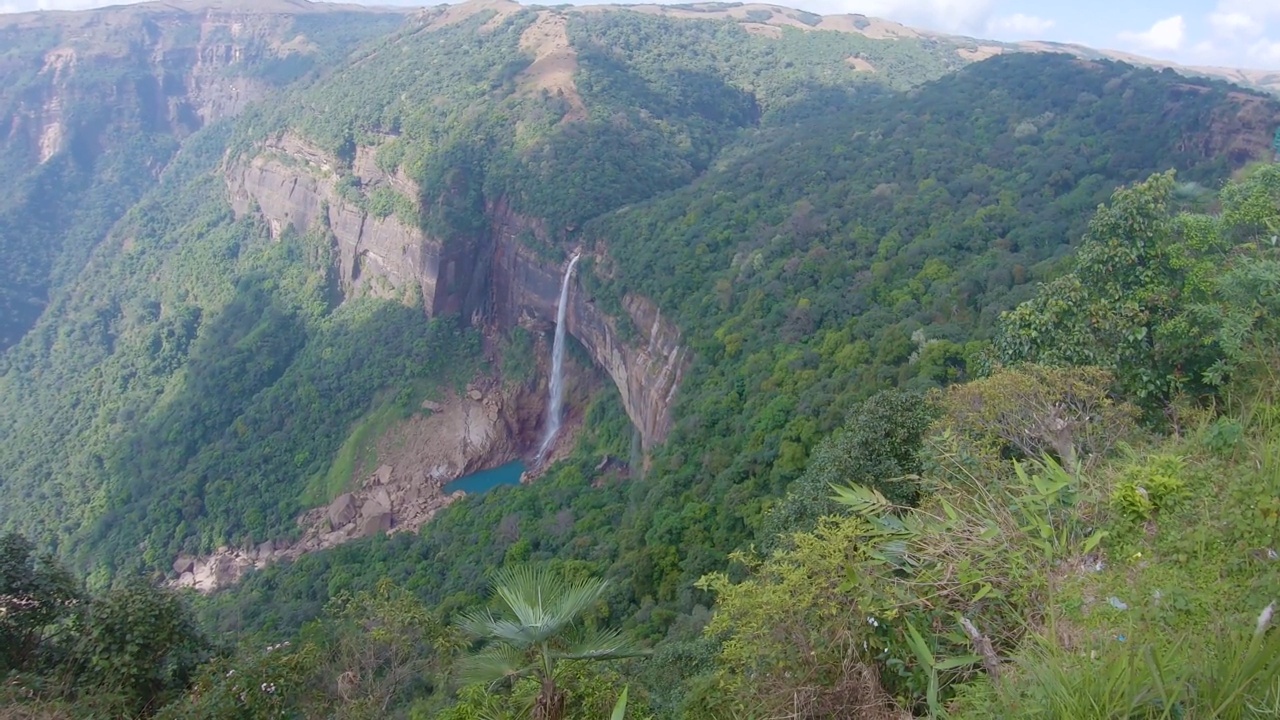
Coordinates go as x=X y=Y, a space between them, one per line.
x=491 y=277
x=342 y=510
x=422 y=455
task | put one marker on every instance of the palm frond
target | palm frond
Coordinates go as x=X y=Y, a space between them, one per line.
x=483 y=624
x=530 y=592
x=577 y=599
x=477 y=623
x=494 y=663
x=542 y=601
x=600 y=644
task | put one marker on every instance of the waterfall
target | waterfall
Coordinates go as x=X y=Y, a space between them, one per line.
x=557 y=363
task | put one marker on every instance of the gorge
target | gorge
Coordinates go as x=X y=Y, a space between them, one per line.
x=326 y=331
x=489 y=278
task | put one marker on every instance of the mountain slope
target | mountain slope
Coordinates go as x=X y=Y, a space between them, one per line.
x=95 y=104
x=469 y=124
x=808 y=268
x=769 y=19
x=282 y=271
x=771 y=215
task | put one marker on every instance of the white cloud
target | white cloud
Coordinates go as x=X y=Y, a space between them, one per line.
x=1018 y=26
x=1166 y=34
x=1258 y=9
x=1235 y=24
x=1265 y=53
x=1242 y=33
x=958 y=16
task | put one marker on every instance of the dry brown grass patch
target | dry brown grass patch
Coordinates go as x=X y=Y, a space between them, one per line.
x=452 y=14
x=554 y=64
x=872 y=27
x=860 y=64
x=982 y=52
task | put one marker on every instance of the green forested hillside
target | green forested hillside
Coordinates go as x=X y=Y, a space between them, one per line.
x=190 y=339
x=652 y=100
x=853 y=291
x=1058 y=559
x=447 y=103
x=93 y=115
x=978 y=341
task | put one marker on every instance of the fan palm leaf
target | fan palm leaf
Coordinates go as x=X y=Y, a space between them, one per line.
x=528 y=591
x=483 y=624
x=542 y=602
x=496 y=662
x=599 y=644
x=536 y=628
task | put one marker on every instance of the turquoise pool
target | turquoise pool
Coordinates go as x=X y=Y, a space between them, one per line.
x=486 y=480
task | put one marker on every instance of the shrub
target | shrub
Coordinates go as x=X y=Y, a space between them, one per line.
x=1144 y=490
x=1028 y=410
x=878 y=446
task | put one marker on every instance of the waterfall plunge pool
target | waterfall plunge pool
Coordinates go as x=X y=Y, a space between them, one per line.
x=486 y=480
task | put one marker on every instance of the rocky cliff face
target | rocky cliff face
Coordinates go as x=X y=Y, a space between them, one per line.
x=647 y=373
x=491 y=277
x=94 y=105
x=152 y=68
x=295 y=186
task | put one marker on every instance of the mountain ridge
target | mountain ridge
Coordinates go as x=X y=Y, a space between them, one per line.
x=264 y=7
x=757 y=17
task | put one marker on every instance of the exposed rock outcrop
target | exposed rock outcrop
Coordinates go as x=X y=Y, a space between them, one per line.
x=647 y=372
x=462 y=435
x=177 y=70
x=294 y=184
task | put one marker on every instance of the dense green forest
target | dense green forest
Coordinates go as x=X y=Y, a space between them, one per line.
x=1024 y=544
x=491 y=139
x=116 y=115
x=980 y=417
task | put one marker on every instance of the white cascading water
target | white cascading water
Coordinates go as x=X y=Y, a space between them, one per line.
x=557 y=362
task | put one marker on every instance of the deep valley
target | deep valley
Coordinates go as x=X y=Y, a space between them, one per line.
x=904 y=374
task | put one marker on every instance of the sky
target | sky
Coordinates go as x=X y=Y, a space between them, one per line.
x=1237 y=33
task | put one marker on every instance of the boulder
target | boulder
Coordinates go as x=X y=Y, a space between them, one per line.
x=342 y=510
x=411 y=494
x=379 y=501
x=183 y=564
x=475 y=394
x=378 y=523
x=266 y=550
x=384 y=475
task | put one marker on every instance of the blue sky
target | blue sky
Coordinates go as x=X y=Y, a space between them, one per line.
x=1241 y=33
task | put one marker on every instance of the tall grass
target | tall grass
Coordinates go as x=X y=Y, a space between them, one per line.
x=1238 y=679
